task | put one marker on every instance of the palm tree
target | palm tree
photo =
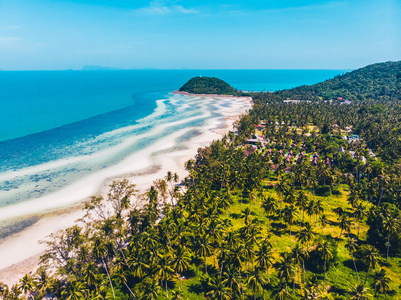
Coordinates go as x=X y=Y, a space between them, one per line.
x=269 y=205
x=381 y=282
x=137 y=264
x=359 y=292
x=302 y=203
x=345 y=224
x=290 y=212
x=326 y=253
x=3 y=290
x=203 y=248
x=324 y=221
x=218 y=290
x=164 y=270
x=89 y=275
x=359 y=213
x=122 y=275
x=304 y=255
x=391 y=225
x=245 y=214
x=214 y=230
x=285 y=267
x=371 y=259
x=264 y=257
x=318 y=208
x=176 y=295
x=237 y=257
x=351 y=246
x=43 y=281
x=231 y=280
x=99 y=252
x=180 y=262
x=26 y=285
x=256 y=282
x=306 y=234
x=310 y=210
x=281 y=292
x=75 y=290
x=151 y=290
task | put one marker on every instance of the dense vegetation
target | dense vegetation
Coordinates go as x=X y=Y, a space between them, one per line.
x=381 y=81
x=208 y=85
x=307 y=214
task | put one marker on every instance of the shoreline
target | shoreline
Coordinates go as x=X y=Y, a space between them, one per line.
x=211 y=95
x=20 y=252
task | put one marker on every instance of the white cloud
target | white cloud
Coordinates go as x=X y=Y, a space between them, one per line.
x=159 y=8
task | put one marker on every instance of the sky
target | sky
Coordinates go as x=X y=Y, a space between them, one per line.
x=207 y=34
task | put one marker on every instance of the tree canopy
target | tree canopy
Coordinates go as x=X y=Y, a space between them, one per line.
x=208 y=85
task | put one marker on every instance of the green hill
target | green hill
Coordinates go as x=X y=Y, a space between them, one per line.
x=380 y=81
x=208 y=85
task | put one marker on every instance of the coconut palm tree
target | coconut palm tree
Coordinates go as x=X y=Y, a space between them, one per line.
x=285 y=267
x=236 y=260
x=26 y=285
x=176 y=295
x=214 y=231
x=302 y=204
x=359 y=292
x=281 y=292
x=351 y=246
x=306 y=234
x=371 y=258
x=150 y=290
x=137 y=264
x=324 y=221
x=264 y=257
x=218 y=290
x=269 y=205
x=180 y=261
x=391 y=225
x=122 y=275
x=359 y=213
x=326 y=253
x=381 y=282
x=203 y=248
x=345 y=224
x=256 y=282
x=231 y=280
x=245 y=214
x=3 y=290
x=99 y=251
x=75 y=290
x=290 y=213
x=163 y=270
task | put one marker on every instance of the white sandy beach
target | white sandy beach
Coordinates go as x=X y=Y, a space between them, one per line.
x=20 y=252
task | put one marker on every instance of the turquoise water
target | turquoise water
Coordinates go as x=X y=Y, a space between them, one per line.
x=59 y=127
x=36 y=101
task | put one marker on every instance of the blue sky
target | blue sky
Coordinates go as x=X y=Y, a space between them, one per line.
x=162 y=34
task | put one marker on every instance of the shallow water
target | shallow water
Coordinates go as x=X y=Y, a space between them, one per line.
x=59 y=128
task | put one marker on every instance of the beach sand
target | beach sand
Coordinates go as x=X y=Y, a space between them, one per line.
x=20 y=252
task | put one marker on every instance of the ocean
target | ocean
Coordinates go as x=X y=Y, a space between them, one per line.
x=59 y=127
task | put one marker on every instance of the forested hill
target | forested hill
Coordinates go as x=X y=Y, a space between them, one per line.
x=381 y=81
x=208 y=85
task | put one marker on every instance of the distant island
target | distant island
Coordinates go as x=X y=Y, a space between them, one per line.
x=99 y=68
x=208 y=85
